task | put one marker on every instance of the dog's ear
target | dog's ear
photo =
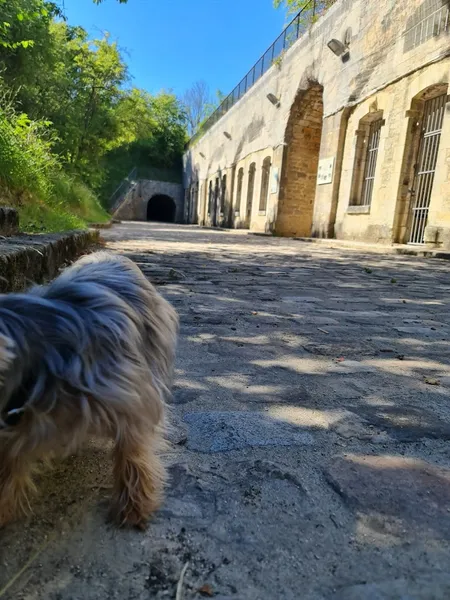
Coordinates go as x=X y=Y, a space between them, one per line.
x=7 y=354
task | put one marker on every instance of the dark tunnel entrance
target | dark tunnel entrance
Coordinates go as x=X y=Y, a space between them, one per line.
x=161 y=208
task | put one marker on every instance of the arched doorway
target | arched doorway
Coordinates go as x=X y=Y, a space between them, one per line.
x=161 y=208
x=300 y=164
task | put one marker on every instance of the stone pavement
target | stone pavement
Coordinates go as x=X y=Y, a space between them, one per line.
x=311 y=435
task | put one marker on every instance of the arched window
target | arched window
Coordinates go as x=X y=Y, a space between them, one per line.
x=240 y=180
x=265 y=176
x=367 y=144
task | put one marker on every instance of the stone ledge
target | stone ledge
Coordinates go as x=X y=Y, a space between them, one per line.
x=212 y=228
x=401 y=249
x=106 y=225
x=29 y=259
x=358 y=210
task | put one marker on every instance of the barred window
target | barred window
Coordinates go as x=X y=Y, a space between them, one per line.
x=367 y=145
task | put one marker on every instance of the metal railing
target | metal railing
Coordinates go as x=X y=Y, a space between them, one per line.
x=296 y=28
x=430 y=26
x=122 y=191
x=166 y=174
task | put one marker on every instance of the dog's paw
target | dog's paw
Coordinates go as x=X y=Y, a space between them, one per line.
x=6 y=518
x=130 y=518
x=136 y=521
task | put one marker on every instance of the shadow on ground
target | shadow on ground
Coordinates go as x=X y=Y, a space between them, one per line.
x=311 y=443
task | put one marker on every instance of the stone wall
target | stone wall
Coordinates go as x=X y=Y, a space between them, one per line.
x=134 y=206
x=392 y=62
x=28 y=259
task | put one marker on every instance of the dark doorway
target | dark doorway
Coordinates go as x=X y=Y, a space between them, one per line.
x=161 y=208
x=250 y=190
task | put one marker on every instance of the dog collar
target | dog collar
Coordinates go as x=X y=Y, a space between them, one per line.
x=12 y=417
x=15 y=411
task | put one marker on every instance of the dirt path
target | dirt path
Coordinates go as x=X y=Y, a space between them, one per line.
x=311 y=447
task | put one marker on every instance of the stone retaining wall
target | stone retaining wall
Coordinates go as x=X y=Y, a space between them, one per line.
x=29 y=259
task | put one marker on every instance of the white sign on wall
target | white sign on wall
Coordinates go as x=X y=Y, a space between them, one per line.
x=325 y=172
x=275 y=180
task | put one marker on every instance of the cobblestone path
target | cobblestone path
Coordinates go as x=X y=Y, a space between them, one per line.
x=311 y=435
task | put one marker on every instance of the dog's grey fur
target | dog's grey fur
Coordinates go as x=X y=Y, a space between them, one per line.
x=91 y=353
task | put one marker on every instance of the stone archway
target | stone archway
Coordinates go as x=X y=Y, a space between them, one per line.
x=161 y=208
x=300 y=164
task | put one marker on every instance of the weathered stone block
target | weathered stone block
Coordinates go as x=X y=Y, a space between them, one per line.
x=29 y=259
x=225 y=431
x=406 y=489
x=9 y=221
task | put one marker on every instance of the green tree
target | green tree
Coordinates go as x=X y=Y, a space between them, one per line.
x=97 y=76
x=197 y=102
x=220 y=96
x=69 y=91
x=24 y=21
x=76 y=84
x=20 y=21
x=151 y=134
x=314 y=8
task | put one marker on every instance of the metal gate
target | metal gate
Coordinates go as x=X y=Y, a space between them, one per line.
x=433 y=119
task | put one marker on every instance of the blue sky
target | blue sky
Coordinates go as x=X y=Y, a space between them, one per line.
x=173 y=43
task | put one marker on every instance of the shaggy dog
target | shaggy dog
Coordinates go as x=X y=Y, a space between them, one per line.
x=90 y=354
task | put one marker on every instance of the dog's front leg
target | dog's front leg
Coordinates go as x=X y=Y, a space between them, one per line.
x=139 y=477
x=16 y=484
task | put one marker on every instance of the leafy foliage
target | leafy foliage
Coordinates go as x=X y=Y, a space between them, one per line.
x=24 y=21
x=32 y=178
x=315 y=8
x=199 y=104
x=197 y=101
x=68 y=122
x=151 y=133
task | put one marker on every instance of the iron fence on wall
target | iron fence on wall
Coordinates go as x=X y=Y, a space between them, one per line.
x=296 y=28
x=169 y=175
x=122 y=191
